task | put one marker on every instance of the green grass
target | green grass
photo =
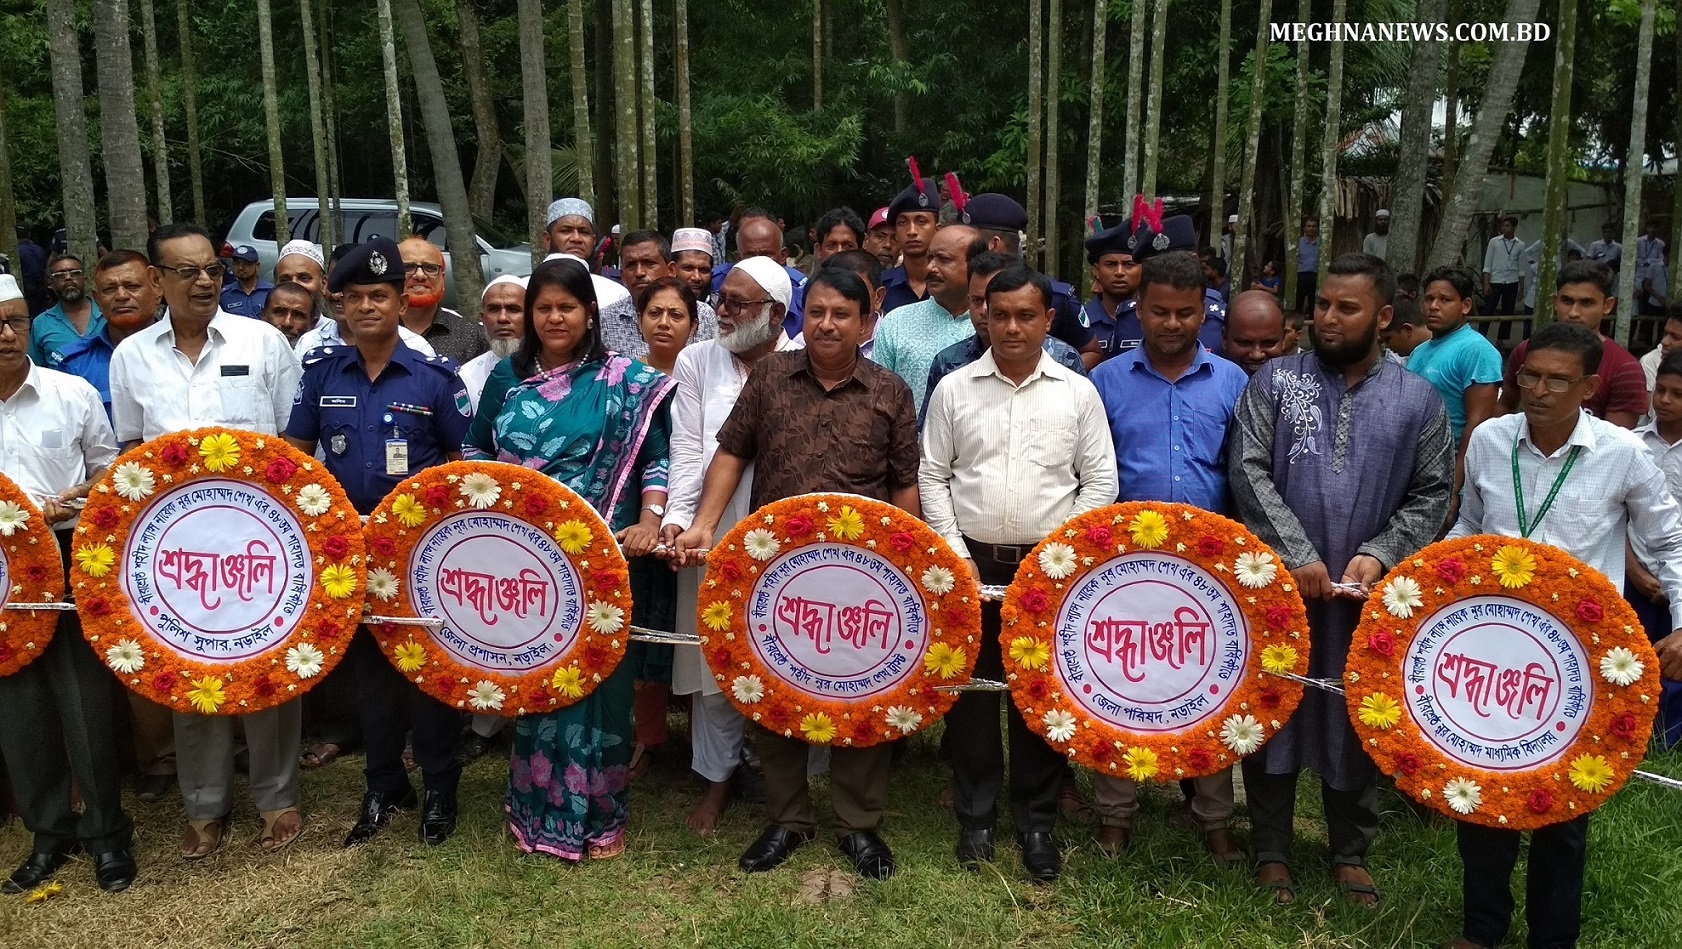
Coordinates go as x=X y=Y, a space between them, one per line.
x=671 y=889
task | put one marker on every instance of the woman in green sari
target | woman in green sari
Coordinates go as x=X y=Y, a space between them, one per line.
x=597 y=422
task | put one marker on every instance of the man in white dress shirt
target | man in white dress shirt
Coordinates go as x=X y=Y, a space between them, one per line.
x=1503 y=269
x=1587 y=486
x=1607 y=250
x=58 y=713
x=1014 y=445
x=204 y=367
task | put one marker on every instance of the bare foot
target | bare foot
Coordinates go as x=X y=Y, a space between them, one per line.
x=703 y=820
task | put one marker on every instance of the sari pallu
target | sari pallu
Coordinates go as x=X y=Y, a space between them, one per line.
x=600 y=428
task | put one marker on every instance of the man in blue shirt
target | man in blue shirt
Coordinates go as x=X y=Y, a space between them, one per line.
x=73 y=317
x=914 y=214
x=1170 y=402
x=1308 y=264
x=129 y=296
x=246 y=295
x=759 y=235
x=1463 y=366
x=383 y=412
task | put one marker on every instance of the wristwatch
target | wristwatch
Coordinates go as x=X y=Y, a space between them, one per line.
x=658 y=509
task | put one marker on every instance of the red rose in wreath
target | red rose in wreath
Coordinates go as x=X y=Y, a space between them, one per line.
x=1035 y=601
x=1539 y=801
x=384 y=547
x=799 y=525
x=1099 y=534
x=336 y=547
x=730 y=571
x=437 y=495
x=105 y=519
x=1407 y=763
x=1451 y=570
x=280 y=470
x=1624 y=726
x=1382 y=643
x=902 y=542
x=1589 y=611
x=1278 y=617
x=175 y=454
x=536 y=505
x=1210 y=546
x=164 y=682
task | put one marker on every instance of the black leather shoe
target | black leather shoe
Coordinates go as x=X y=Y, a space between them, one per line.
x=1040 y=856
x=870 y=855
x=975 y=847
x=114 y=869
x=377 y=811
x=438 y=818
x=772 y=849
x=38 y=869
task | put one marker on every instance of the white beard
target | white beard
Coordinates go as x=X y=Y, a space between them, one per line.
x=751 y=335
x=503 y=348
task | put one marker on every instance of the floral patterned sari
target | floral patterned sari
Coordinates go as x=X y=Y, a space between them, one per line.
x=601 y=429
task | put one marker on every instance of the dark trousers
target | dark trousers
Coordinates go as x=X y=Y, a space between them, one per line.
x=1307 y=283
x=1553 y=886
x=331 y=713
x=391 y=706
x=974 y=744
x=1655 y=619
x=58 y=722
x=1503 y=298
x=1351 y=816
x=858 y=783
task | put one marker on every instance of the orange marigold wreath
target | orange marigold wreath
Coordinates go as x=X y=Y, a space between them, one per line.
x=1106 y=550
x=820 y=545
x=1527 y=603
x=30 y=572
x=552 y=550
x=137 y=571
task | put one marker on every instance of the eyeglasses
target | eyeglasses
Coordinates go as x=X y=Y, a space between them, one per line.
x=17 y=324
x=431 y=270
x=62 y=274
x=1530 y=380
x=192 y=274
x=731 y=307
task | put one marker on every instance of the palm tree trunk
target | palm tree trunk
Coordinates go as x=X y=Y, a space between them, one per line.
x=1153 y=126
x=817 y=55
x=8 y=198
x=1053 y=162
x=487 y=164
x=125 y=170
x=1505 y=68
x=629 y=184
x=1330 y=138
x=1451 y=97
x=649 y=152
x=271 y=118
x=318 y=133
x=900 y=48
x=64 y=45
x=190 y=100
x=1299 y=146
x=1635 y=166
x=1559 y=149
x=535 y=86
x=685 y=136
x=1407 y=207
x=1252 y=150
x=1217 y=164
x=1095 y=111
x=579 y=69
x=394 y=119
x=1135 y=95
x=155 y=102
x=330 y=99
x=1036 y=124
x=1676 y=214
x=605 y=120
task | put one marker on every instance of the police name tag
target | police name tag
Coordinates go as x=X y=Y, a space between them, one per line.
x=396 y=456
x=338 y=402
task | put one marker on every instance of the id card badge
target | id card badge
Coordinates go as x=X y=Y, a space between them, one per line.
x=396 y=456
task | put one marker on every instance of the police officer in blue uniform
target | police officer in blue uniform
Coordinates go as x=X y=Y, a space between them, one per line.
x=382 y=412
x=1112 y=313
x=914 y=215
x=1001 y=221
x=1177 y=233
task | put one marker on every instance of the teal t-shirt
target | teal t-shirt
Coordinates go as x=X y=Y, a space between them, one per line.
x=1455 y=363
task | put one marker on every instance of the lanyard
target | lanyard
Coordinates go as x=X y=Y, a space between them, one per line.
x=1559 y=482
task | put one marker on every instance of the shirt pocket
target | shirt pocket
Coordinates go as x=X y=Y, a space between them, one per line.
x=243 y=402
x=1051 y=443
x=1580 y=516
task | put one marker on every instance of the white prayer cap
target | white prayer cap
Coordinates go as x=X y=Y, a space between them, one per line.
x=770 y=276
x=569 y=207
x=1382 y=213
x=302 y=248
x=692 y=238
x=506 y=279
x=9 y=288
x=1232 y=219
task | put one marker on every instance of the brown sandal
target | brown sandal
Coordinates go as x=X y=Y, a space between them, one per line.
x=273 y=836
x=204 y=837
x=320 y=755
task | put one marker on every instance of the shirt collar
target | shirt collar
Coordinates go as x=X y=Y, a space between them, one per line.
x=1199 y=363
x=403 y=357
x=861 y=375
x=988 y=366
x=1583 y=436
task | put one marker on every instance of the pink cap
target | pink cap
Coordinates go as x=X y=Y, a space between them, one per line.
x=878 y=219
x=692 y=238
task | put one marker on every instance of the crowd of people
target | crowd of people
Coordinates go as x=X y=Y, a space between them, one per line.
x=920 y=362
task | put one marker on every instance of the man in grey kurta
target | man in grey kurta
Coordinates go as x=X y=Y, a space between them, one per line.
x=1342 y=461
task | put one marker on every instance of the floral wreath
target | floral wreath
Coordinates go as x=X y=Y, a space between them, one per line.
x=1622 y=665
x=397 y=526
x=949 y=595
x=1250 y=572
x=157 y=670
x=34 y=574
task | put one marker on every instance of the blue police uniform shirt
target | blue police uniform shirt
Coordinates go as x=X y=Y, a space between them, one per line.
x=898 y=285
x=794 y=319
x=1069 y=323
x=240 y=303
x=1121 y=333
x=89 y=358
x=418 y=399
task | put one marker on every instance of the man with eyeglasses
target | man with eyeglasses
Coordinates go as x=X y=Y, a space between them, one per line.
x=73 y=317
x=205 y=367
x=1585 y=296
x=450 y=333
x=1557 y=475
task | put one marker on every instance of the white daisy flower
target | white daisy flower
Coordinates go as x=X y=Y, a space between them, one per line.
x=1242 y=733
x=480 y=489
x=486 y=696
x=12 y=517
x=747 y=689
x=1255 y=570
x=126 y=657
x=1059 y=725
x=304 y=661
x=1463 y=795
x=938 y=580
x=905 y=719
x=761 y=544
x=605 y=618
x=313 y=500
x=382 y=584
x=1402 y=596
x=1620 y=667
x=1057 y=560
x=133 y=481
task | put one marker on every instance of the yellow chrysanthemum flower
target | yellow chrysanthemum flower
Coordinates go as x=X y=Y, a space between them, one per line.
x=1141 y=763
x=1279 y=658
x=847 y=525
x=1514 y=566
x=568 y=681
x=410 y=657
x=717 y=616
x=1030 y=653
x=95 y=560
x=219 y=451
x=410 y=512
x=206 y=695
x=1380 y=711
x=574 y=537
x=943 y=660
x=1590 y=773
x=817 y=728
x=339 y=581
x=1149 y=529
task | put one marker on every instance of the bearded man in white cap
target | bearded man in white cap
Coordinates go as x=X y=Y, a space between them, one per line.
x=1378 y=242
x=503 y=308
